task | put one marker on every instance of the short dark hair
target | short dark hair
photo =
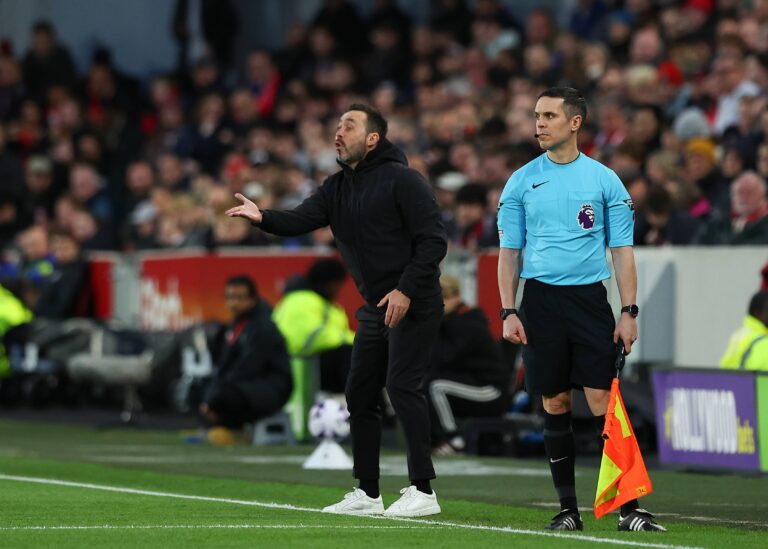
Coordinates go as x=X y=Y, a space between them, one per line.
x=758 y=305
x=44 y=26
x=376 y=122
x=573 y=102
x=472 y=193
x=326 y=270
x=247 y=282
x=658 y=200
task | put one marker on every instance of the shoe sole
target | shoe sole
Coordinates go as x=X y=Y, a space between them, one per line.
x=355 y=513
x=434 y=510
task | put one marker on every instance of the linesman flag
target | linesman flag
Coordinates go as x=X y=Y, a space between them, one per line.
x=623 y=476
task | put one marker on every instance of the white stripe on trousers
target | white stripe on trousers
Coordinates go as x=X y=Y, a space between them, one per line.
x=439 y=390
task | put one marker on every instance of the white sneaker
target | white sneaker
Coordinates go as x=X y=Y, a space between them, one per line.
x=357 y=502
x=413 y=504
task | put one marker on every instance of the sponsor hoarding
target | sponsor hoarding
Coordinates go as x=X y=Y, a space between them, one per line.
x=707 y=419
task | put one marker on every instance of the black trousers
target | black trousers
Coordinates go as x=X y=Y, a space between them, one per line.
x=397 y=359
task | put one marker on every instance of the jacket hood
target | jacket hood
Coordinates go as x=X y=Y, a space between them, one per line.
x=384 y=152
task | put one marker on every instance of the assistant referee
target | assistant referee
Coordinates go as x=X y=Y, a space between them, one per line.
x=556 y=216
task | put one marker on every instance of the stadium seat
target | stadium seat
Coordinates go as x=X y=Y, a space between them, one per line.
x=275 y=429
x=126 y=370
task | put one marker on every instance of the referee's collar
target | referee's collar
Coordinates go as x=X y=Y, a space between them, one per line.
x=563 y=163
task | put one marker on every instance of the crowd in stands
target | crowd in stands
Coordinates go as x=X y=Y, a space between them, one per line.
x=677 y=92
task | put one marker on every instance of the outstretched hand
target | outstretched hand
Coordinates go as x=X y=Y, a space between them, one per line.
x=247 y=209
x=397 y=305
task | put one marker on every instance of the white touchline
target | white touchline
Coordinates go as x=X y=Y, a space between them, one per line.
x=208 y=526
x=506 y=529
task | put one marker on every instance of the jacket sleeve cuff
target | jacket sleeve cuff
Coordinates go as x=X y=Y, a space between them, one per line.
x=406 y=289
x=264 y=222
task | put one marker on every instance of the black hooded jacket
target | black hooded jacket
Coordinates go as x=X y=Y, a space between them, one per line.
x=386 y=222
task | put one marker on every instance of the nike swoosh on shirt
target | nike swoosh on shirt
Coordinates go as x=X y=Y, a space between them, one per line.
x=558 y=459
x=535 y=185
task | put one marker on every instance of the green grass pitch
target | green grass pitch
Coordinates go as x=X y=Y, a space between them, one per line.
x=66 y=486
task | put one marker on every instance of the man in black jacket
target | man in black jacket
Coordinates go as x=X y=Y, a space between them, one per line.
x=390 y=233
x=253 y=373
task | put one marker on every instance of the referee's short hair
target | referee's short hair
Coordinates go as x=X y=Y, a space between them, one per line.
x=376 y=122
x=573 y=102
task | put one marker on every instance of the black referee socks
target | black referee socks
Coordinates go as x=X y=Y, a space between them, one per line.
x=561 y=451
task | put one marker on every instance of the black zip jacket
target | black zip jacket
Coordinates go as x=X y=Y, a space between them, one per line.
x=386 y=222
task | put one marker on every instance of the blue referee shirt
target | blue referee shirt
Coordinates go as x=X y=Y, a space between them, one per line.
x=562 y=216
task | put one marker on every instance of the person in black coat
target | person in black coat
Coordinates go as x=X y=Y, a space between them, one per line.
x=47 y=63
x=390 y=233
x=468 y=377
x=67 y=293
x=252 y=378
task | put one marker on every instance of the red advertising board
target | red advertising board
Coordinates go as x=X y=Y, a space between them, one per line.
x=177 y=290
x=102 y=277
x=488 y=289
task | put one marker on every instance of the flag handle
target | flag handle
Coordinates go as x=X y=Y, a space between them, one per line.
x=621 y=357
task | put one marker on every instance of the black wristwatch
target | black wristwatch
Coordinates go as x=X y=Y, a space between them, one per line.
x=504 y=313
x=633 y=310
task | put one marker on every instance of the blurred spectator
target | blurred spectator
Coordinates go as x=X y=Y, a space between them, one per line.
x=87 y=230
x=263 y=79
x=451 y=19
x=475 y=227
x=252 y=377
x=142 y=228
x=679 y=90
x=701 y=169
x=139 y=180
x=205 y=27
x=762 y=160
x=205 y=78
x=315 y=325
x=467 y=377
x=67 y=293
x=40 y=186
x=588 y=19
x=171 y=173
x=341 y=20
x=664 y=223
x=748 y=219
x=207 y=140
x=732 y=85
x=389 y=59
x=47 y=63
x=11 y=174
x=11 y=90
x=748 y=346
x=33 y=263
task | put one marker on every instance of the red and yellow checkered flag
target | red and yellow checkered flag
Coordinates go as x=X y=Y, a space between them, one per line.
x=623 y=476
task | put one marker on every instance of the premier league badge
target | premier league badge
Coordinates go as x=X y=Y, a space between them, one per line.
x=586 y=217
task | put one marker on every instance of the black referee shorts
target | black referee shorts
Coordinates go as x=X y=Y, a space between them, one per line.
x=570 y=337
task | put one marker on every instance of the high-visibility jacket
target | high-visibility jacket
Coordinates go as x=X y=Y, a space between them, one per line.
x=748 y=347
x=311 y=324
x=12 y=313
